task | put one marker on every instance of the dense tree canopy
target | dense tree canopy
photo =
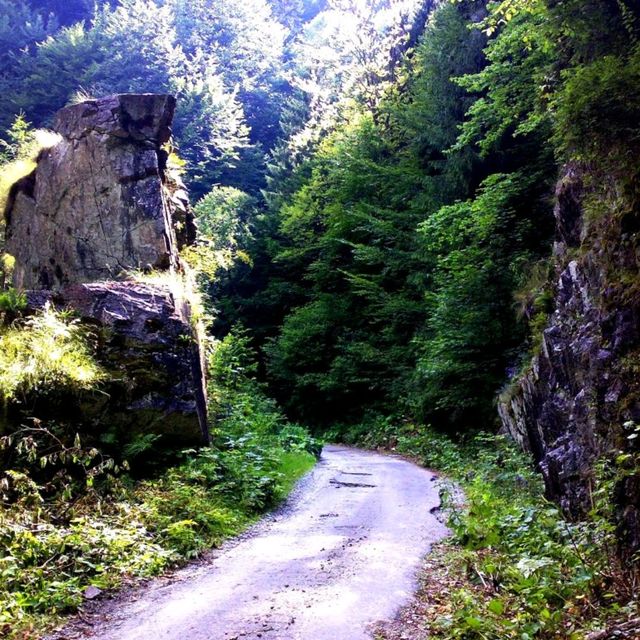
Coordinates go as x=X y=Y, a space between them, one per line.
x=379 y=171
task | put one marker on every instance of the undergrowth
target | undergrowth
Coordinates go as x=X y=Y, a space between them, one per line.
x=524 y=571
x=72 y=517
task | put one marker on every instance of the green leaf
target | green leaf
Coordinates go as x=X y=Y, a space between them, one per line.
x=474 y=623
x=496 y=607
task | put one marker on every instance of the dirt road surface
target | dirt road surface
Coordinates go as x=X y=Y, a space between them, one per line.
x=341 y=555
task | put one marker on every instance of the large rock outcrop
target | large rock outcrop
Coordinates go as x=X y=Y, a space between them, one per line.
x=147 y=346
x=579 y=400
x=100 y=204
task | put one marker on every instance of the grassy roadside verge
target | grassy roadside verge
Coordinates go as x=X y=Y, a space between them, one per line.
x=514 y=567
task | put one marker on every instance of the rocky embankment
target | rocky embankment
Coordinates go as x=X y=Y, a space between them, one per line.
x=576 y=407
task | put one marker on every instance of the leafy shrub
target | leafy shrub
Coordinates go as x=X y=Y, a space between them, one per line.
x=251 y=435
x=293 y=437
x=240 y=403
x=61 y=526
x=49 y=467
x=12 y=301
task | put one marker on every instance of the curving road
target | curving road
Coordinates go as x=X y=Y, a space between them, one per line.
x=341 y=555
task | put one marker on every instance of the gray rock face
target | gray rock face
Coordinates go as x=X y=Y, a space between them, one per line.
x=570 y=407
x=147 y=345
x=99 y=202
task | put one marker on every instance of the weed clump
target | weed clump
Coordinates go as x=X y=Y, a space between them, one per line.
x=45 y=352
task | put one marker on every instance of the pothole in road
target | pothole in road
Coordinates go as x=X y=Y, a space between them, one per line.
x=340 y=483
x=355 y=473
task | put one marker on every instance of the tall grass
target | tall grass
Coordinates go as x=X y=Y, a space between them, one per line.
x=44 y=352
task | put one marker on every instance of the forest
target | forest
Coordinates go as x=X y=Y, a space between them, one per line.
x=416 y=231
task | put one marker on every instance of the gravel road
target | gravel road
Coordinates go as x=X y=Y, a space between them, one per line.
x=341 y=555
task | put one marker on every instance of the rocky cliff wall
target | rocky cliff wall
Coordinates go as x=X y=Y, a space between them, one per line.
x=576 y=406
x=99 y=202
x=99 y=205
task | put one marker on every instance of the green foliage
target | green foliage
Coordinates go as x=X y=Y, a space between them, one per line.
x=209 y=123
x=396 y=253
x=42 y=79
x=598 y=109
x=246 y=44
x=223 y=216
x=348 y=228
x=295 y=438
x=57 y=541
x=46 y=567
x=542 y=576
x=479 y=248
x=259 y=452
x=18 y=142
x=12 y=301
x=21 y=26
x=133 y=47
x=246 y=417
x=555 y=67
x=390 y=319
x=49 y=468
x=58 y=534
x=234 y=67
x=46 y=352
x=512 y=86
x=139 y=36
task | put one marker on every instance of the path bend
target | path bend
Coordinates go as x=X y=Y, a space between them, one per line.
x=342 y=554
